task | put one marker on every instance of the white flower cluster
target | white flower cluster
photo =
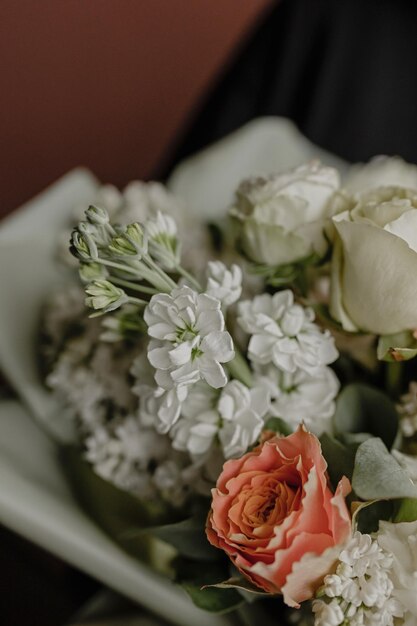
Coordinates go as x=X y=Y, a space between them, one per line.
x=185 y=415
x=290 y=354
x=360 y=592
x=188 y=348
x=235 y=417
x=188 y=344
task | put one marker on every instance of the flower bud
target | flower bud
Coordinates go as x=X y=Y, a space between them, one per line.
x=103 y=296
x=129 y=242
x=83 y=246
x=92 y=271
x=97 y=215
x=163 y=241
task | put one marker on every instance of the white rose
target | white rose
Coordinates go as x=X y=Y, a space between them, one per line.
x=374 y=264
x=283 y=216
x=381 y=171
x=400 y=540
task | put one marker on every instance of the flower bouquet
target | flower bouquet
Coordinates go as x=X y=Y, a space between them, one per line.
x=241 y=389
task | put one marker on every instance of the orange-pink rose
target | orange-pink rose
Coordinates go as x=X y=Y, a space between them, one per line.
x=276 y=517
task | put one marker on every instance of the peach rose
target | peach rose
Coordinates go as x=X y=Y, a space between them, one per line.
x=275 y=516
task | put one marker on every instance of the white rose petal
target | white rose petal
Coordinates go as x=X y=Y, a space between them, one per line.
x=284 y=216
x=374 y=277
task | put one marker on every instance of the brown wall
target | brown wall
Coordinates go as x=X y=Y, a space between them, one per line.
x=104 y=83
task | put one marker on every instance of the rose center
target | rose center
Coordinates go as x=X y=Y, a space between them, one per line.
x=270 y=504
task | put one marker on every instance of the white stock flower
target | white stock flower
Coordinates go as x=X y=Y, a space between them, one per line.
x=189 y=340
x=199 y=423
x=360 y=592
x=374 y=262
x=122 y=455
x=143 y=201
x=284 y=333
x=284 y=216
x=302 y=397
x=242 y=411
x=235 y=418
x=223 y=283
x=400 y=540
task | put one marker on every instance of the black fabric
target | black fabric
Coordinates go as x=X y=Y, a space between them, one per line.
x=344 y=70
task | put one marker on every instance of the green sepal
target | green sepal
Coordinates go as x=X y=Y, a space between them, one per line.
x=395 y=348
x=286 y=274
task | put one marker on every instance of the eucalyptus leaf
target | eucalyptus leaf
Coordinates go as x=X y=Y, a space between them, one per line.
x=377 y=475
x=399 y=347
x=364 y=409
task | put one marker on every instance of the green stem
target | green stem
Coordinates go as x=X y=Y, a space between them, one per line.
x=117 y=266
x=194 y=282
x=239 y=369
x=137 y=301
x=129 y=285
x=163 y=275
x=393 y=379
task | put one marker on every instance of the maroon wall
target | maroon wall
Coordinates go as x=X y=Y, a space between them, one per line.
x=104 y=83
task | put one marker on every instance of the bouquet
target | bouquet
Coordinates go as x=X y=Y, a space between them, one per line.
x=243 y=392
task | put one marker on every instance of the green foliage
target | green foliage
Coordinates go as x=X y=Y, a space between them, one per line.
x=118 y=512
x=363 y=409
x=287 y=274
x=406 y=510
x=377 y=475
x=187 y=536
x=368 y=517
x=340 y=458
x=278 y=425
x=198 y=581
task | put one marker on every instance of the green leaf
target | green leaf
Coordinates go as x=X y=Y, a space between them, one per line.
x=196 y=580
x=340 y=458
x=377 y=475
x=407 y=510
x=363 y=409
x=399 y=347
x=278 y=425
x=238 y=582
x=188 y=537
x=117 y=512
x=368 y=518
x=211 y=599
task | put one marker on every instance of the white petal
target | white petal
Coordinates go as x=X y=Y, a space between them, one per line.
x=212 y=372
